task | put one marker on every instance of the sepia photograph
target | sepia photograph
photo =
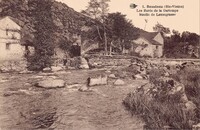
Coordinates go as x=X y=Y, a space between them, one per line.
x=99 y=65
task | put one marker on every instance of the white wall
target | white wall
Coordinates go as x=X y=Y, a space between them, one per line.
x=9 y=34
x=146 y=49
x=149 y=50
x=15 y=52
x=159 y=38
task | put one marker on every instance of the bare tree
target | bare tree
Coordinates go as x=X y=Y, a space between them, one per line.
x=98 y=9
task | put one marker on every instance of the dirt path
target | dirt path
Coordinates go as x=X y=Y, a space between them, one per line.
x=64 y=109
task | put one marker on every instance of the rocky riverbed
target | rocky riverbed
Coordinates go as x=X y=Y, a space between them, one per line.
x=25 y=106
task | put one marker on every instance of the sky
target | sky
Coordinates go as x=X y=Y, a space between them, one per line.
x=186 y=19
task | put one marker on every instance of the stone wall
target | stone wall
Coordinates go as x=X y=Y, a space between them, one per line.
x=109 y=61
x=13 y=66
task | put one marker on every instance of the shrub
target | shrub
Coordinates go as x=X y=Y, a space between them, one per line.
x=37 y=62
x=190 y=77
x=158 y=114
x=167 y=110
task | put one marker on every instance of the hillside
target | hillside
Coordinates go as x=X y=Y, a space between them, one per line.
x=68 y=22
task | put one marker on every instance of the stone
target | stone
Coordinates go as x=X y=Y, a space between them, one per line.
x=196 y=127
x=27 y=84
x=51 y=83
x=37 y=77
x=62 y=72
x=190 y=106
x=53 y=77
x=184 y=98
x=3 y=80
x=56 y=68
x=98 y=80
x=25 y=72
x=84 y=64
x=47 y=69
x=74 y=86
x=84 y=88
x=137 y=76
x=107 y=71
x=112 y=76
x=119 y=82
x=166 y=74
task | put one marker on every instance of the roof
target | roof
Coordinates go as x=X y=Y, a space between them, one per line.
x=150 y=37
x=18 y=22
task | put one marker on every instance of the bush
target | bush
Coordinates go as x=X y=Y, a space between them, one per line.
x=37 y=62
x=190 y=77
x=158 y=114
x=164 y=110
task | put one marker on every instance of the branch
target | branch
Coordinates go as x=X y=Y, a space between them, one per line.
x=99 y=32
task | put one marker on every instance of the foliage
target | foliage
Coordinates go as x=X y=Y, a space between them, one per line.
x=44 y=34
x=160 y=28
x=185 y=45
x=190 y=77
x=98 y=10
x=67 y=21
x=179 y=45
x=120 y=30
x=158 y=113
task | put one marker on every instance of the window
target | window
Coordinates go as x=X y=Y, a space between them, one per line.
x=7 y=46
x=6 y=32
x=156 y=47
x=13 y=36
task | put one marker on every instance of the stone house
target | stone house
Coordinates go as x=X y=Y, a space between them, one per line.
x=149 y=44
x=10 y=47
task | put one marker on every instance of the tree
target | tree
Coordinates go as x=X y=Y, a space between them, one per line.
x=121 y=31
x=160 y=28
x=176 y=37
x=98 y=9
x=15 y=8
x=44 y=34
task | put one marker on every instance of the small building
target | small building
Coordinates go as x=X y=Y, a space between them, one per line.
x=148 y=44
x=10 y=36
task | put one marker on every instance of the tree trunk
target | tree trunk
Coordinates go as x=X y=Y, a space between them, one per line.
x=106 y=44
x=99 y=32
x=111 y=47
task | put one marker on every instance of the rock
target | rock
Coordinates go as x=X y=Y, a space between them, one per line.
x=112 y=76
x=84 y=64
x=51 y=83
x=98 y=80
x=137 y=76
x=166 y=74
x=25 y=72
x=184 y=98
x=62 y=72
x=108 y=71
x=3 y=80
x=74 y=86
x=95 y=64
x=56 y=68
x=145 y=89
x=84 y=88
x=167 y=127
x=119 y=82
x=27 y=84
x=53 y=77
x=37 y=77
x=196 y=127
x=19 y=92
x=4 y=70
x=190 y=106
x=48 y=69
